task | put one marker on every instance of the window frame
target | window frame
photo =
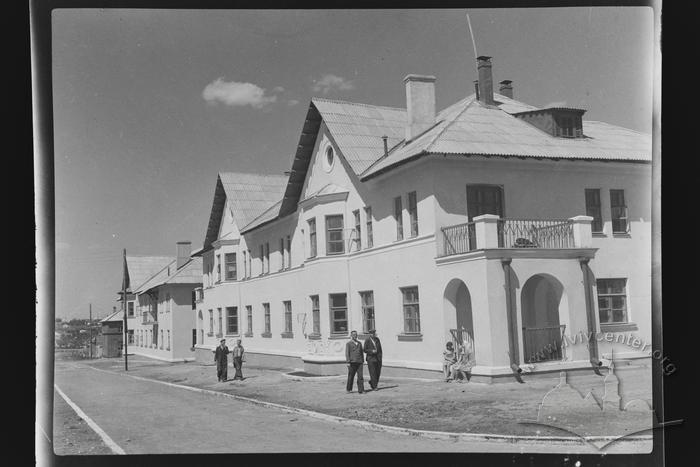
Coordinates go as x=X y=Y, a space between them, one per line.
x=398 y=217
x=405 y=305
x=591 y=208
x=289 y=251
x=413 y=213
x=218 y=267
x=609 y=296
x=230 y=266
x=211 y=321
x=358 y=229
x=313 y=239
x=249 y=317
x=315 y=314
x=287 y=306
x=220 y=317
x=341 y=242
x=623 y=207
x=332 y=309
x=282 y=255
x=267 y=319
x=229 y=317
x=368 y=226
x=367 y=309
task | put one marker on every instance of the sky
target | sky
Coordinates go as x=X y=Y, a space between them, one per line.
x=150 y=105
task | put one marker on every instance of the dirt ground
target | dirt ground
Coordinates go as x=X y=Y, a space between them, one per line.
x=71 y=435
x=502 y=408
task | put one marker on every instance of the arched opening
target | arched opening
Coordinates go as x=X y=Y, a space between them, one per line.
x=458 y=314
x=543 y=303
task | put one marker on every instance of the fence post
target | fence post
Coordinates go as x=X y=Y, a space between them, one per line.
x=486 y=229
x=583 y=236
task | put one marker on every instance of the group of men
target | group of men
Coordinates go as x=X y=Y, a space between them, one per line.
x=355 y=356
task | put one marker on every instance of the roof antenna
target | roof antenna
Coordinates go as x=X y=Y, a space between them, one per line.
x=469 y=24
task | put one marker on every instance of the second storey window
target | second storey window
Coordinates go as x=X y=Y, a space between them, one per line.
x=250 y=264
x=282 y=253
x=368 y=223
x=593 y=209
x=413 y=213
x=289 y=251
x=267 y=257
x=411 y=310
x=245 y=265
x=130 y=308
x=312 y=238
x=316 y=314
x=398 y=216
x=612 y=300
x=232 y=320
x=218 y=268
x=231 y=274
x=618 y=211
x=262 y=259
x=358 y=229
x=367 y=299
x=339 y=313
x=335 y=243
x=211 y=322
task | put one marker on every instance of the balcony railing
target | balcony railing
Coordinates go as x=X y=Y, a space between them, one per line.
x=491 y=232
x=460 y=238
x=535 y=233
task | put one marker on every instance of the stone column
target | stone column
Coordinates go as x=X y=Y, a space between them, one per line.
x=486 y=228
x=583 y=236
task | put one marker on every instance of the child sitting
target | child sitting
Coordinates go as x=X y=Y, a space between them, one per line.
x=448 y=359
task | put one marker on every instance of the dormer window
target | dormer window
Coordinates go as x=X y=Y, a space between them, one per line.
x=557 y=121
x=569 y=126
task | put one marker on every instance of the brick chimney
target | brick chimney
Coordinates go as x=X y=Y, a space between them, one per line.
x=183 y=253
x=485 y=80
x=420 y=104
x=506 y=88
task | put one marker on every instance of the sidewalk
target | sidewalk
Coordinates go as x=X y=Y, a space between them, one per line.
x=416 y=403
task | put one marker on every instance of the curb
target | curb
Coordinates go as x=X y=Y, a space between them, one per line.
x=371 y=426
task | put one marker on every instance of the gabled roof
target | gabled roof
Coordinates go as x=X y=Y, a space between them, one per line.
x=115 y=316
x=188 y=273
x=249 y=195
x=141 y=268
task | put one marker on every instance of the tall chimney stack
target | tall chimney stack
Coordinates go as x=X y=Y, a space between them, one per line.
x=485 y=79
x=183 y=253
x=506 y=88
x=420 y=104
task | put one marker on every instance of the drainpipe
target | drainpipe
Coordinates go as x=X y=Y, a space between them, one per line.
x=590 y=316
x=512 y=322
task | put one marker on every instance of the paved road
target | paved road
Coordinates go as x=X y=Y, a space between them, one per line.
x=146 y=417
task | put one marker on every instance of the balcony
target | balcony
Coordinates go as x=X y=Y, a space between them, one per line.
x=489 y=231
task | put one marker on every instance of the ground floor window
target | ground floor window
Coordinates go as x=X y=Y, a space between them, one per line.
x=411 y=310
x=249 y=313
x=266 y=311
x=339 y=313
x=168 y=347
x=612 y=300
x=316 y=314
x=131 y=336
x=287 y=316
x=220 y=322
x=232 y=320
x=367 y=300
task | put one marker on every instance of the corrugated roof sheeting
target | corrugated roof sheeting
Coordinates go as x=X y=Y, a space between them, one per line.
x=251 y=194
x=157 y=278
x=271 y=213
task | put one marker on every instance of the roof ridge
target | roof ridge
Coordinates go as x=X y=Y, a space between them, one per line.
x=447 y=125
x=339 y=101
x=156 y=273
x=254 y=173
x=618 y=126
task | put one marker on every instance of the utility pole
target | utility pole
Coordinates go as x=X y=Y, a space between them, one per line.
x=125 y=285
x=90 y=324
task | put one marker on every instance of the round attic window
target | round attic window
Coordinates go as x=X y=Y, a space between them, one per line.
x=330 y=158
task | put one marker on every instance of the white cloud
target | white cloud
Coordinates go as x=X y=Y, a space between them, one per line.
x=236 y=94
x=555 y=104
x=330 y=82
x=292 y=102
x=278 y=89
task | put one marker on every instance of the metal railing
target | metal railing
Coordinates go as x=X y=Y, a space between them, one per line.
x=535 y=233
x=460 y=238
x=543 y=343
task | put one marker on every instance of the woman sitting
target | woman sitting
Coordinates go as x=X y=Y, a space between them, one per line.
x=460 y=369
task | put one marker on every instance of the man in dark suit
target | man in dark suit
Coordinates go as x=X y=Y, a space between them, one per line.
x=354 y=358
x=221 y=359
x=373 y=349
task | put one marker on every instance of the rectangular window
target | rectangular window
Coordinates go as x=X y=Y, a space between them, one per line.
x=289 y=251
x=411 y=310
x=312 y=238
x=618 y=211
x=249 y=314
x=368 y=223
x=231 y=273
x=593 y=209
x=250 y=264
x=161 y=339
x=130 y=308
x=211 y=321
x=168 y=345
x=358 y=229
x=282 y=254
x=262 y=259
x=266 y=312
x=267 y=258
x=220 y=321
x=335 y=241
x=316 y=314
x=339 y=313
x=612 y=300
x=367 y=301
x=398 y=216
x=131 y=336
x=245 y=265
x=413 y=213
x=287 y=316
x=218 y=268
x=232 y=320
